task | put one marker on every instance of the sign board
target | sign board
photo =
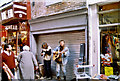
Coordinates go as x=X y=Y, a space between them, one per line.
x=108 y=71
x=16 y=10
x=11 y=27
x=7 y=14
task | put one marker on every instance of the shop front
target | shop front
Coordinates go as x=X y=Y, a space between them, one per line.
x=104 y=38
x=18 y=36
x=68 y=26
x=109 y=26
x=14 y=17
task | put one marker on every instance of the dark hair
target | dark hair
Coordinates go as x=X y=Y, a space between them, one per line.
x=45 y=45
x=5 y=47
x=61 y=41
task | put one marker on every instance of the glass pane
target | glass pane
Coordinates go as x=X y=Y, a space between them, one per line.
x=110 y=49
x=109 y=18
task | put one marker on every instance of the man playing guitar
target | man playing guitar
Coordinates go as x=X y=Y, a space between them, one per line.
x=60 y=55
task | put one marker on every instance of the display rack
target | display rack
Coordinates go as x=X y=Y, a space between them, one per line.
x=83 y=74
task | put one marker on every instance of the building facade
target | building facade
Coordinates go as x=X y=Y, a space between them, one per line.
x=93 y=23
x=104 y=37
x=61 y=20
x=14 y=19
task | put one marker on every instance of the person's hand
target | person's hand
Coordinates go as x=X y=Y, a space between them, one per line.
x=5 y=68
x=0 y=47
x=42 y=54
x=44 y=49
x=16 y=56
x=36 y=68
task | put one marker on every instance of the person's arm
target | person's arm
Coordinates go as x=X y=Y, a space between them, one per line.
x=55 y=50
x=66 y=53
x=19 y=57
x=13 y=57
x=42 y=53
x=34 y=60
x=48 y=51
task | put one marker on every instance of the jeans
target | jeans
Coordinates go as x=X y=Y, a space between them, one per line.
x=58 y=66
x=47 y=67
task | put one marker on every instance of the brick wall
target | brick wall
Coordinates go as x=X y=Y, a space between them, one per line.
x=40 y=9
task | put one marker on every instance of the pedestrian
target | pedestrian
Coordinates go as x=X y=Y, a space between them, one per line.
x=26 y=61
x=60 y=55
x=9 y=59
x=46 y=53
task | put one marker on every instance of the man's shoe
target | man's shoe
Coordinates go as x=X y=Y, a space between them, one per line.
x=58 y=77
x=49 y=78
x=64 y=78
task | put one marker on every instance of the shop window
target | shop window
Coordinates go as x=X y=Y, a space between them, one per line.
x=110 y=50
x=18 y=38
x=109 y=18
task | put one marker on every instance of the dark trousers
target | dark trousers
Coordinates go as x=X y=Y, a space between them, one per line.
x=47 y=67
x=4 y=75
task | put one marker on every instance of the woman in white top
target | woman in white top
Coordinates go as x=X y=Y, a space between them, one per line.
x=46 y=53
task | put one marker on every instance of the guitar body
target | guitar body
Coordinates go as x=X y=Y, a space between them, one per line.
x=56 y=55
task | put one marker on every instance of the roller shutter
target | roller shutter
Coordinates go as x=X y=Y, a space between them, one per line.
x=72 y=40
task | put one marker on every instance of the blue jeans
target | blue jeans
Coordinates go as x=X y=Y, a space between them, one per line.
x=58 y=66
x=47 y=67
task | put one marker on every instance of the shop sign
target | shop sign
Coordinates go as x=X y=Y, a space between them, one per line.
x=11 y=27
x=7 y=14
x=23 y=26
x=17 y=10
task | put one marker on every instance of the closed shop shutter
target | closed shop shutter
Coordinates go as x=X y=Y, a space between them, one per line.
x=72 y=40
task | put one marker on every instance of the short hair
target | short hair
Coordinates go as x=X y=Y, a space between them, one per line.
x=61 y=41
x=26 y=48
x=5 y=47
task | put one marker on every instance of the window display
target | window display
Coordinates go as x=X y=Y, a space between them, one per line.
x=18 y=38
x=110 y=49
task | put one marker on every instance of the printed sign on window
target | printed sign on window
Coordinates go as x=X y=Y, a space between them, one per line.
x=108 y=71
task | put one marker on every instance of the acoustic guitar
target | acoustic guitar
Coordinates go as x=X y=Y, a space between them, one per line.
x=58 y=54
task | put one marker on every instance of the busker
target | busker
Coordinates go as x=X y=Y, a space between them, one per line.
x=46 y=53
x=27 y=61
x=60 y=55
x=9 y=60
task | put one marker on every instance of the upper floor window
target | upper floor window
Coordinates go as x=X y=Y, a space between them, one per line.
x=109 y=14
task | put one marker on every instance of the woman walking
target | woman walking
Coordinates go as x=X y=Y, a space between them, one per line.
x=27 y=61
